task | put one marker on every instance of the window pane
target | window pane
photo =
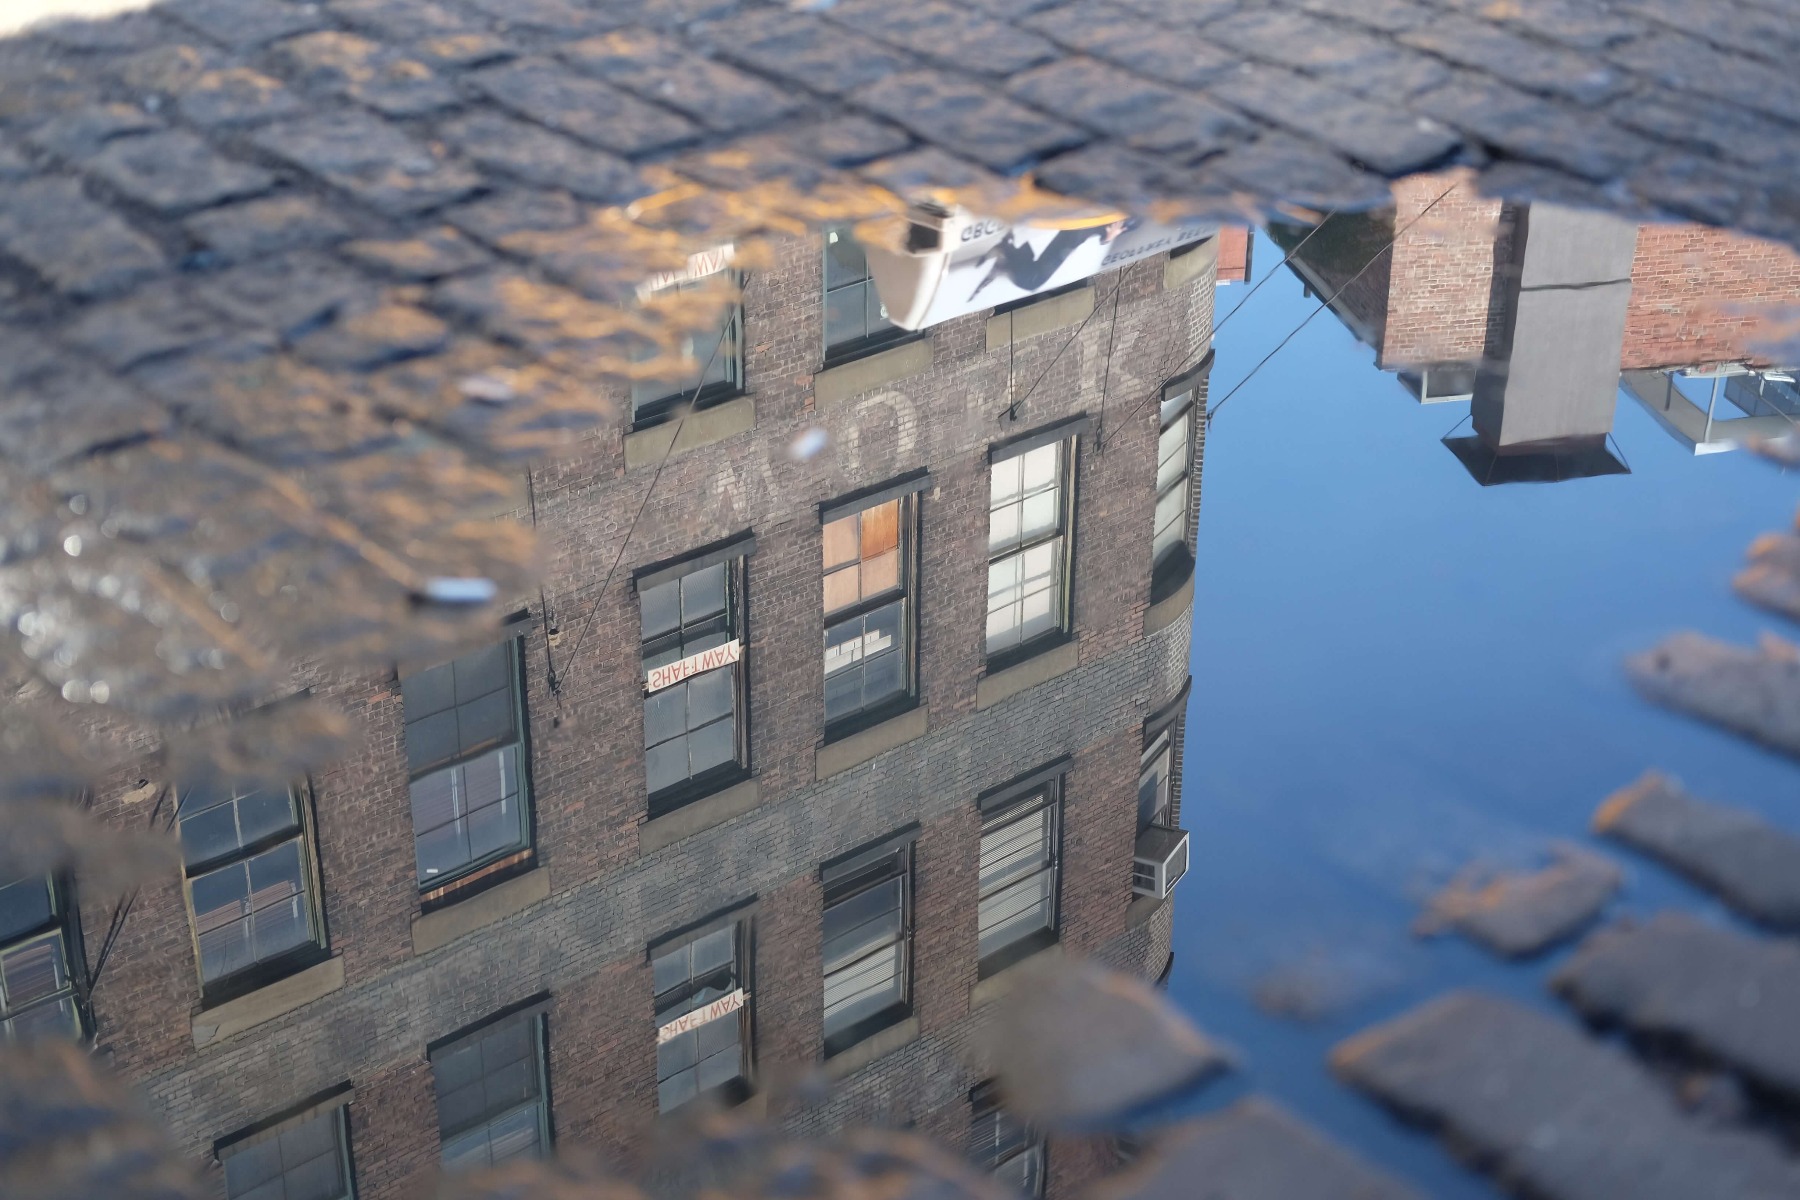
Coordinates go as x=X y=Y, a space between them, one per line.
x=842 y=588
x=669 y=969
x=714 y=950
x=1015 y=849
x=1038 y=515
x=666 y=765
x=1041 y=466
x=711 y=746
x=881 y=574
x=319 y=1178
x=880 y=528
x=860 y=923
x=482 y=672
x=710 y=696
x=24 y=906
x=1005 y=480
x=677 y=1090
x=864 y=988
x=425 y=692
x=842 y=541
x=1171 y=453
x=703 y=593
x=485 y=721
x=431 y=741
x=1175 y=403
x=845 y=262
x=660 y=608
x=844 y=320
x=1004 y=524
x=32 y=972
x=251 y=1166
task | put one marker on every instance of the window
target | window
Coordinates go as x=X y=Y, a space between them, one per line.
x=867 y=945
x=308 y=1159
x=1028 y=549
x=490 y=1093
x=692 y=621
x=856 y=321
x=868 y=570
x=702 y=1016
x=37 y=991
x=251 y=885
x=1019 y=848
x=1172 y=541
x=717 y=358
x=465 y=748
x=1156 y=770
x=1003 y=1145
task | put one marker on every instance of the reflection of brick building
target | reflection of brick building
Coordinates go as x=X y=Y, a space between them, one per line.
x=1696 y=292
x=500 y=969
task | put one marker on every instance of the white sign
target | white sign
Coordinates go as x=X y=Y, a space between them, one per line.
x=724 y=1006
x=977 y=263
x=699 y=266
x=669 y=674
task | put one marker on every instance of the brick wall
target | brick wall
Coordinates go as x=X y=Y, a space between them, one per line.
x=1700 y=296
x=585 y=945
x=1440 y=283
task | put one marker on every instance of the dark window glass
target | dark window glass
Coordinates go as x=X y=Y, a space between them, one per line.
x=1019 y=847
x=37 y=993
x=866 y=949
x=867 y=589
x=249 y=878
x=467 y=756
x=1028 y=547
x=1003 y=1145
x=490 y=1094
x=855 y=318
x=696 y=1054
x=716 y=356
x=693 y=729
x=306 y=1161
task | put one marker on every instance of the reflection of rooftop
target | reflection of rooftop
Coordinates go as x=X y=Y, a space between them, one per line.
x=1758 y=405
x=1576 y=460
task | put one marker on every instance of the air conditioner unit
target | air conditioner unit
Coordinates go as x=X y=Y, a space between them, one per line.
x=1160 y=861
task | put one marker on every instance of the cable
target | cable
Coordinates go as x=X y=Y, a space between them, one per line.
x=1221 y=322
x=588 y=621
x=1012 y=407
x=1326 y=303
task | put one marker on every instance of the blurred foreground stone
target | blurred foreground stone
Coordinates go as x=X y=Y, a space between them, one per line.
x=1552 y=1113
x=1524 y=913
x=1077 y=1047
x=1747 y=862
x=1755 y=693
x=1251 y=1151
x=69 y=1131
x=1718 y=995
x=1772 y=580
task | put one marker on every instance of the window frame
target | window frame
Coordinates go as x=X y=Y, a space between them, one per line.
x=263 y=972
x=1068 y=434
x=498 y=866
x=853 y=875
x=332 y=1105
x=735 y=553
x=1168 y=721
x=1009 y=806
x=833 y=354
x=64 y=925
x=984 y=1107
x=532 y=1012
x=1174 y=566
x=910 y=520
x=740 y=919
x=660 y=409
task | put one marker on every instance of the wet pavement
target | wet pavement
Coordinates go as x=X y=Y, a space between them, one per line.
x=294 y=296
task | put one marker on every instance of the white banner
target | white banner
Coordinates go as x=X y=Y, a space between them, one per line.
x=669 y=674
x=724 y=1006
x=699 y=266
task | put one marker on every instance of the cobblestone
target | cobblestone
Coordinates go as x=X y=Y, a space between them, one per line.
x=236 y=96
x=1688 y=65
x=433 y=254
x=1121 y=37
x=584 y=108
x=657 y=68
x=532 y=154
x=1525 y=63
x=370 y=159
x=820 y=57
x=1145 y=115
x=951 y=35
x=77 y=245
x=244 y=24
x=968 y=119
x=175 y=172
x=391 y=84
x=154 y=323
x=256 y=228
x=1390 y=142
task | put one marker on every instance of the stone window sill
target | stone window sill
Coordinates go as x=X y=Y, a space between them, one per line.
x=996 y=985
x=225 y=1020
x=1182 y=267
x=1053 y=312
x=834 y=385
x=877 y=1045
x=441 y=926
x=700 y=815
x=860 y=747
x=1039 y=668
x=1142 y=909
x=1170 y=608
x=701 y=427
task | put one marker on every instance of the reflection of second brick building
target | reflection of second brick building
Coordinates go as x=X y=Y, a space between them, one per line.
x=534 y=914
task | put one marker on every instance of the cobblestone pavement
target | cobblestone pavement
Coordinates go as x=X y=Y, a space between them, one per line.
x=239 y=238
